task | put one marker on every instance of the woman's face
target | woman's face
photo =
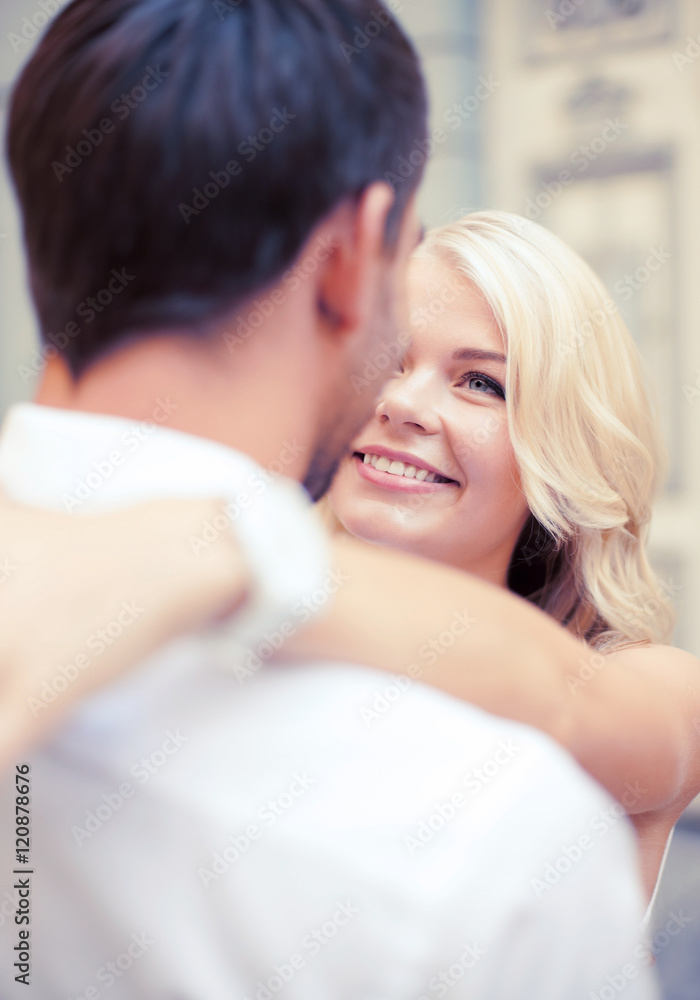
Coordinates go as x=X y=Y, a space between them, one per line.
x=433 y=472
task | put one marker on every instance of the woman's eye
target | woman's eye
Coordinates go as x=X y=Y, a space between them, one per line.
x=481 y=383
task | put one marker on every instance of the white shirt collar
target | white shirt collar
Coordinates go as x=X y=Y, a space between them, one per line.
x=78 y=461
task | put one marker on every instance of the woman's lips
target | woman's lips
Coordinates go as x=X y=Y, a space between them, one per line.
x=399 y=484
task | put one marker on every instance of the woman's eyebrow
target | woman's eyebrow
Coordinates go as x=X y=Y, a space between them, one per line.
x=473 y=354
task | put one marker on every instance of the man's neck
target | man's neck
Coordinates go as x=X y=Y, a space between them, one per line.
x=173 y=381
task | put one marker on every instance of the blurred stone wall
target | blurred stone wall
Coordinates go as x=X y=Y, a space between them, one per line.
x=21 y=22
x=447 y=34
x=595 y=133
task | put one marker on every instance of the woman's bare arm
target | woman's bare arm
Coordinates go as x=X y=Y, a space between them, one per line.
x=626 y=718
x=675 y=674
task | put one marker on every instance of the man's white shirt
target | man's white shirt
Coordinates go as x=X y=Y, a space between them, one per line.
x=216 y=826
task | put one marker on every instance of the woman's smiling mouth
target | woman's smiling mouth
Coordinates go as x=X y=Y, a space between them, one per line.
x=394 y=474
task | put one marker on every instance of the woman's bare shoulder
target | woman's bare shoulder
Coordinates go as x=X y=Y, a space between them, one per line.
x=676 y=673
x=648 y=655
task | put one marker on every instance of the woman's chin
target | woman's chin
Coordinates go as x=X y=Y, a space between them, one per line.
x=378 y=527
x=360 y=527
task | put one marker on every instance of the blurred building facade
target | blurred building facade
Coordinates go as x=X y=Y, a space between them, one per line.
x=18 y=337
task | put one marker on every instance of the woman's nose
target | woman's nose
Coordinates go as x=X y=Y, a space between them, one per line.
x=409 y=401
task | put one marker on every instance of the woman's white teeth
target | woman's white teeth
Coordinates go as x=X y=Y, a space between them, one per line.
x=383 y=464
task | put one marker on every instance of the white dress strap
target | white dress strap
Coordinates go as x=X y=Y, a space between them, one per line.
x=652 y=901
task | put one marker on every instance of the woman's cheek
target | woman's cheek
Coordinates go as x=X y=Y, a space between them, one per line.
x=490 y=431
x=486 y=435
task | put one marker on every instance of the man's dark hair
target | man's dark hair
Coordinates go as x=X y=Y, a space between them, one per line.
x=173 y=156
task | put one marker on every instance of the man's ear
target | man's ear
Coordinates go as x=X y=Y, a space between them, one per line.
x=357 y=264
x=56 y=383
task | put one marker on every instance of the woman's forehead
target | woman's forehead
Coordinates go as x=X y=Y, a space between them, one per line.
x=447 y=312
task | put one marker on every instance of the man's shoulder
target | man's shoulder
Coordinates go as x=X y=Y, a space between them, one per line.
x=369 y=704
x=349 y=749
x=410 y=743
x=404 y=734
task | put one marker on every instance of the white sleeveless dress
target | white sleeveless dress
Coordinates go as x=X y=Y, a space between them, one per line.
x=652 y=901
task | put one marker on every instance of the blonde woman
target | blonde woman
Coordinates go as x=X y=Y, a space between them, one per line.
x=517 y=443
x=558 y=436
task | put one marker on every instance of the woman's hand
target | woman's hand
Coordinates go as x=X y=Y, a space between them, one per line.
x=83 y=599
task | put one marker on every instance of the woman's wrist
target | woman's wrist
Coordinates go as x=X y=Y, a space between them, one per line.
x=189 y=583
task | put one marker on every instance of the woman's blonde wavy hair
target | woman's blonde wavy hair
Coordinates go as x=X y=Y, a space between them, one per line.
x=583 y=429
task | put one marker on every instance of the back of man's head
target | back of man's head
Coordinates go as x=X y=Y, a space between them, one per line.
x=172 y=156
